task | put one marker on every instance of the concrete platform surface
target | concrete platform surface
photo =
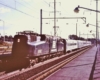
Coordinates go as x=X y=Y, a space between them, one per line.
x=96 y=75
x=78 y=69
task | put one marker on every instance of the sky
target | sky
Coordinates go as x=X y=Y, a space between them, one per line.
x=19 y=15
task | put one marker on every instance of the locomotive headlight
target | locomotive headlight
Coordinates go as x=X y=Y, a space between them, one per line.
x=18 y=40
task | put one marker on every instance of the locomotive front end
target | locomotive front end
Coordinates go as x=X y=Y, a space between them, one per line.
x=19 y=58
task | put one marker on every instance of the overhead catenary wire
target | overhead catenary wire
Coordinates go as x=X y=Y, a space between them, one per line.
x=24 y=6
x=27 y=3
x=35 y=7
x=30 y=5
x=48 y=4
x=17 y=10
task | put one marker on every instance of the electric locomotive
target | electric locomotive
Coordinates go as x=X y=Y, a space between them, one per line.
x=40 y=46
x=30 y=47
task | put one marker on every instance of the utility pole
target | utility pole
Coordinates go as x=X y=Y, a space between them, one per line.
x=40 y=21
x=96 y=22
x=3 y=28
x=76 y=27
x=54 y=17
x=55 y=11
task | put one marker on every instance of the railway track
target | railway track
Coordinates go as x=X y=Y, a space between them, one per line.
x=45 y=68
x=54 y=68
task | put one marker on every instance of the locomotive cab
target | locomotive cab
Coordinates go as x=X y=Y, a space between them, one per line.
x=20 y=43
x=20 y=48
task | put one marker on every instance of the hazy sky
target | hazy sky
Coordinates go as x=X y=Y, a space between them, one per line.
x=19 y=15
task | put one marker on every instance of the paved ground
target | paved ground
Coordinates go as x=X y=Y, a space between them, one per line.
x=78 y=69
x=96 y=75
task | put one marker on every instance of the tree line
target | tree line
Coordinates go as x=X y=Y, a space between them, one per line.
x=75 y=37
x=6 y=37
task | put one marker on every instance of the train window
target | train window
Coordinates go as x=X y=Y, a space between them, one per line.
x=18 y=40
x=43 y=37
x=54 y=44
x=70 y=44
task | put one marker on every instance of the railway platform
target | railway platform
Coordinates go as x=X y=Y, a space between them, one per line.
x=81 y=68
x=96 y=72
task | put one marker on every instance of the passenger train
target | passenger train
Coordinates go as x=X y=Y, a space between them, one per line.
x=30 y=47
